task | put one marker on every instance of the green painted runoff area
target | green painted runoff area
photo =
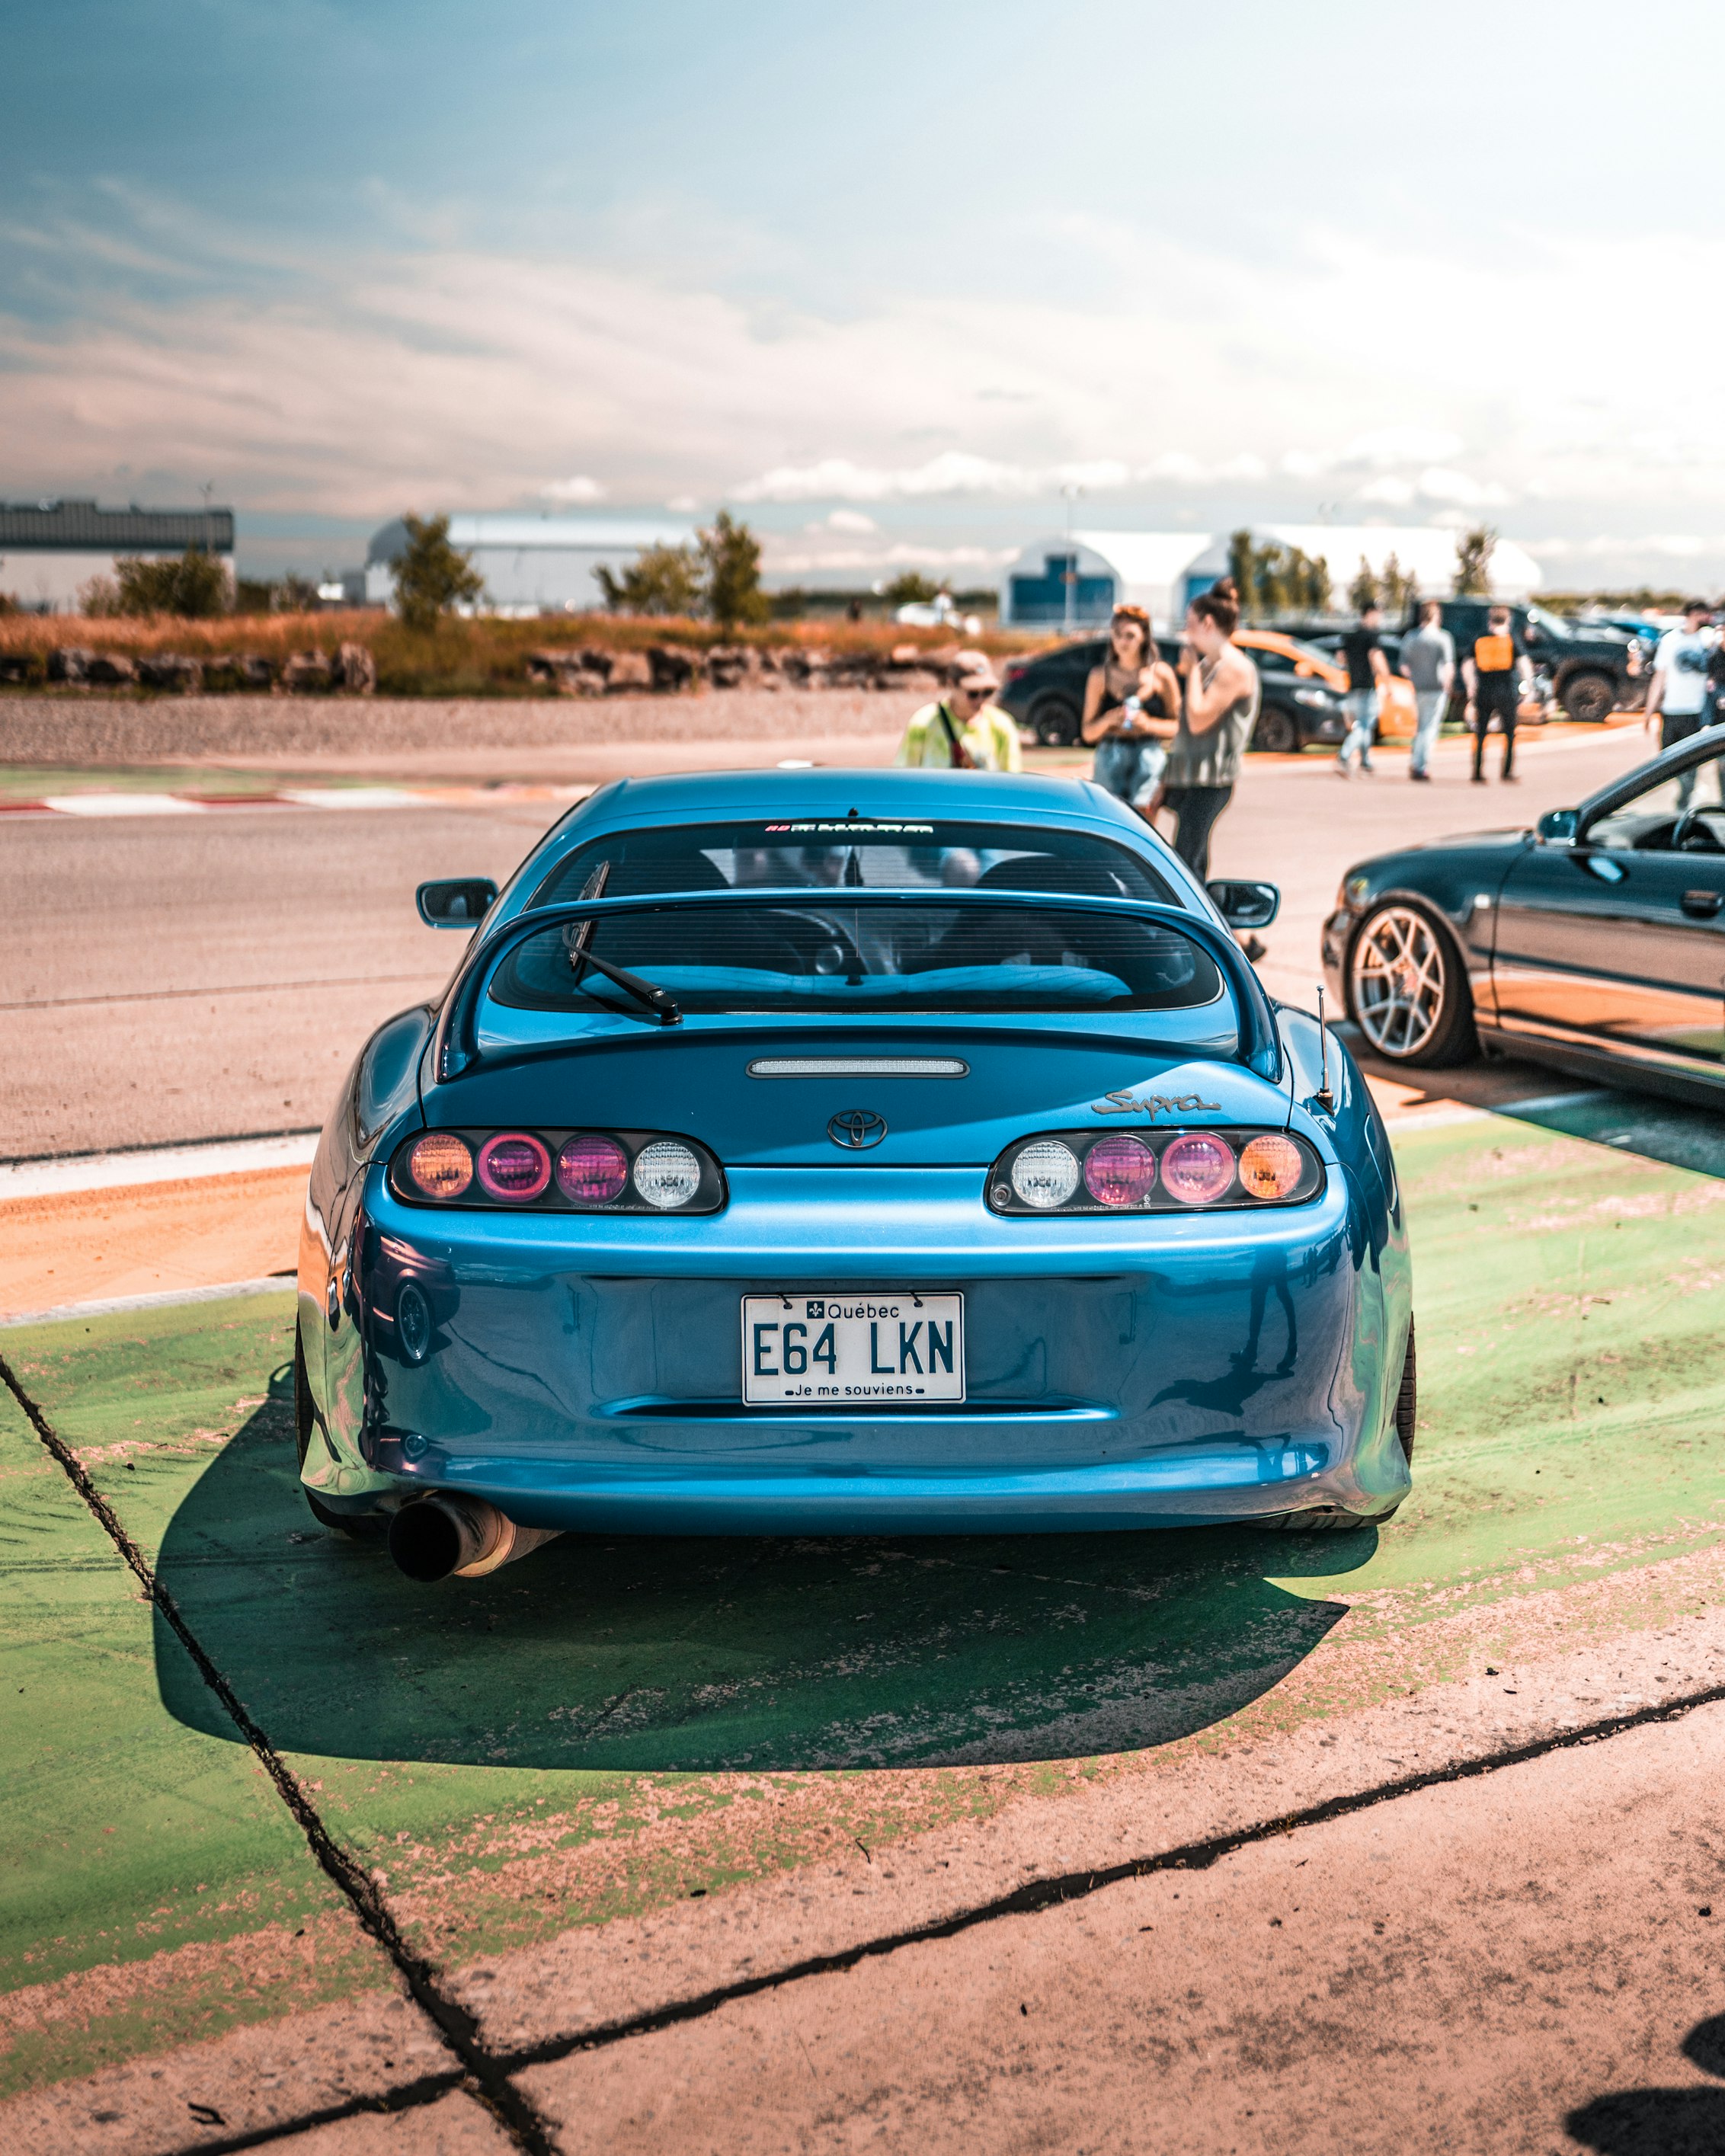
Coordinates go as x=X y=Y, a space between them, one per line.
x=616 y=1722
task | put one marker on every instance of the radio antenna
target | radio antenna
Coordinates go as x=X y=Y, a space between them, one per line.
x=1325 y=1098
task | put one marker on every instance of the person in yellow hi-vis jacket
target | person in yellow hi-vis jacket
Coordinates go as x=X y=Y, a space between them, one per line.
x=966 y=731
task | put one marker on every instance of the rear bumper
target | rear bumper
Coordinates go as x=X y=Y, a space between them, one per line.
x=587 y=1373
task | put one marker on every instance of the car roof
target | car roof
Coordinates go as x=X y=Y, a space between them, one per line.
x=872 y=791
x=875 y=792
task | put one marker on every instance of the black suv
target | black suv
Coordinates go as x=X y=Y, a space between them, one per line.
x=1594 y=671
x=1046 y=693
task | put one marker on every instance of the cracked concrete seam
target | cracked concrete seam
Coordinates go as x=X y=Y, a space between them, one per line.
x=1031 y=1897
x=456 y=2029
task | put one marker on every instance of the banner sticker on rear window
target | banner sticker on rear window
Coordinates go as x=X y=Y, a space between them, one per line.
x=850 y=830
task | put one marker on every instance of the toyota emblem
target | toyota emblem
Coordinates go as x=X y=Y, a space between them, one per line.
x=856 y=1128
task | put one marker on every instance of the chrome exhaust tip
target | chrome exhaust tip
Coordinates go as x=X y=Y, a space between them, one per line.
x=442 y=1537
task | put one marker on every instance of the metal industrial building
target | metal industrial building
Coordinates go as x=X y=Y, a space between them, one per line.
x=50 y=549
x=1078 y=577
x=531 y=564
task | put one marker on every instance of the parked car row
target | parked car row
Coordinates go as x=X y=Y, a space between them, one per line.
x=1589 y=670
x=1302 y=693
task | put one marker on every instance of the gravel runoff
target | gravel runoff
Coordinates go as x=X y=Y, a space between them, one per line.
x=60 y=731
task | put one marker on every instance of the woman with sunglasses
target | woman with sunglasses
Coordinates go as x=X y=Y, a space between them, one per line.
x=1130 y=703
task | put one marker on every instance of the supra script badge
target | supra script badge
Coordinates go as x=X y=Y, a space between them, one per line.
x=1153 y=1104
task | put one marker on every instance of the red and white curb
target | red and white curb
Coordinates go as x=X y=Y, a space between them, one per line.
x=97 y=803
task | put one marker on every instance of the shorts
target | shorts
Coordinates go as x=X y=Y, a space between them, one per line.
x=1130 y=769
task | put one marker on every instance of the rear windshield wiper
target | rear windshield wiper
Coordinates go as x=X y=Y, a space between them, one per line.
x=646 y=993
x=656 y=999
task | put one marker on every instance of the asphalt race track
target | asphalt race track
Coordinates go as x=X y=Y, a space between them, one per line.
x=173 y=978
x=1403 y=1840
x=177 y=979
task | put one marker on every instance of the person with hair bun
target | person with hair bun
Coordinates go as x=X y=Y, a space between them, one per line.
x=1130 y=702
x=1221 y=709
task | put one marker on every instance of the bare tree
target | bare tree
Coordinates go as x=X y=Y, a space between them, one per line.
x=1473 y=562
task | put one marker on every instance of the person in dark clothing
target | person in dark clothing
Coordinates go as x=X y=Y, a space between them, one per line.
x=1221 y=708
x=1368 y=670
x=1495 y=673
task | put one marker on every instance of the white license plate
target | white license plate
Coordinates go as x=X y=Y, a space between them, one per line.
x=839 y=1351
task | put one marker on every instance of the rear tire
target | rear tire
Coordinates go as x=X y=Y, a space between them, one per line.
x=1407 y=1400
x=1054 y=721
x=1588 y=698
x=1276 y=733
x=1333 y=1519
x=362 y=1527
x=1408 y=990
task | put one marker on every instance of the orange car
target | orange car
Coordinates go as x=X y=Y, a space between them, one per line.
x=1281 y=657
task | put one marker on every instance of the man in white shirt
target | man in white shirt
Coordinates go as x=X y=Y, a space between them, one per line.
x=1678 y=691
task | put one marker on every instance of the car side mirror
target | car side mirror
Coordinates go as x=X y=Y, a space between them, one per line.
x=1246 y=905
x=1557 y=827
x=455 y=902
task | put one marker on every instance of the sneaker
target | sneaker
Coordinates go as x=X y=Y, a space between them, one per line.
x=1478 y=779
x=1254 y=949
x=1367 y=764
x=1422 y=777
x=1342 y=769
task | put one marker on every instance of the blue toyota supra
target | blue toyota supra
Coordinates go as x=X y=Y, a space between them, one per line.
x=850 y=1152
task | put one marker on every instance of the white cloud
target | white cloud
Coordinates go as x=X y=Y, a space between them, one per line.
x=1384 y=447
x=1178 y=468
x=683 y=504
x=446 y=378
x=953 y=472
x=1437 y=483
x=848 y=520
x=572 y=490
x=780 y=560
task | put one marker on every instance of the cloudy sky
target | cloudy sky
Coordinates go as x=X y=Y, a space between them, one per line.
x=888 y=278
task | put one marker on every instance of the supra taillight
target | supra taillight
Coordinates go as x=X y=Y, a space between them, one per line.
x=441 y=1164
x=592 y=1169
x=561 y=1171
x=1198 y=1168
x=1055 y=1175
x=1272 y=1167
x=1120 y=1170
x=515 y=1166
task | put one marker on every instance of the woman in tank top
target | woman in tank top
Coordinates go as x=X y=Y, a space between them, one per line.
x=1132 y=744
x=1221 y=709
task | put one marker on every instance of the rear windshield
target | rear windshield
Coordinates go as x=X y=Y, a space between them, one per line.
x=854 y=855
x=849 y=956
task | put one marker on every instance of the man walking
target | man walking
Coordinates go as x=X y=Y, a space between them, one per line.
x=1496 y=671
x=1368 y=670
x=1429 y=661
x=1678 y=691
x=966 y=731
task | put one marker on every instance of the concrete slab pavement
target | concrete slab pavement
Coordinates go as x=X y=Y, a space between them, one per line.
x=619 y=1780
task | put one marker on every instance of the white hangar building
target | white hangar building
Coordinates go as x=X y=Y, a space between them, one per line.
x=50 y=549
x=1093 y=572
x=548 y=564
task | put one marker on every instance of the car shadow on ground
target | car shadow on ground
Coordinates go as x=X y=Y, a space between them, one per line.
x=1672 y=1132
x=1661 y=2121
x=643 y=1653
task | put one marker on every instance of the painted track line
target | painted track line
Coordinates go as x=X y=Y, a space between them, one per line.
x=55 y=1174
x=166 y=1298
x=221 y=989
x=484 y=2079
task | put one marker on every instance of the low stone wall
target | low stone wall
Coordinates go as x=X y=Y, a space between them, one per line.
x=60 y=730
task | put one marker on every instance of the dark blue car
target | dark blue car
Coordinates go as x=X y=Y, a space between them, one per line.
x=850 y=1152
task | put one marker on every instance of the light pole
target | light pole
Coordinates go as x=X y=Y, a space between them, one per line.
x=1070 y=494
